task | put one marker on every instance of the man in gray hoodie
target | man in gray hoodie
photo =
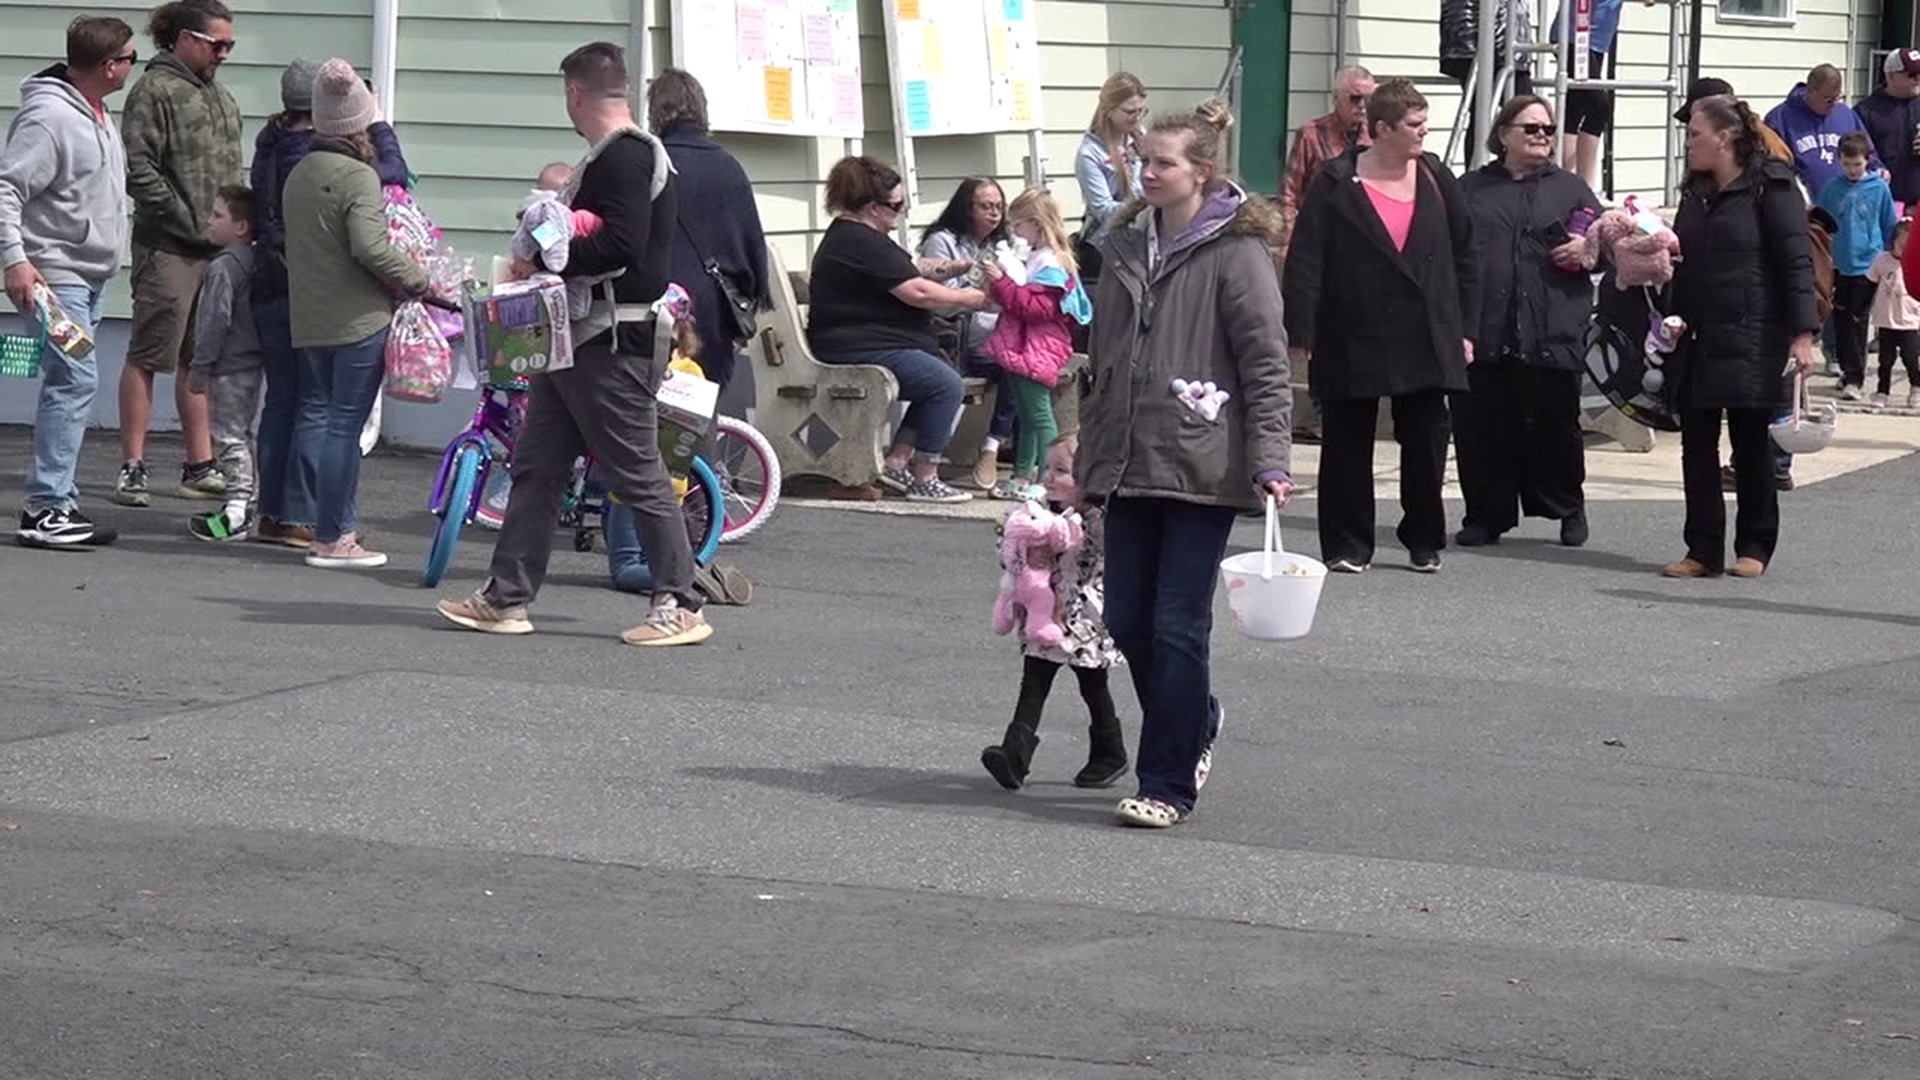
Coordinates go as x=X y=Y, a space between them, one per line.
x=63 y=223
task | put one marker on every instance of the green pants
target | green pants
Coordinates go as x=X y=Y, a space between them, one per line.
x=1034 y=403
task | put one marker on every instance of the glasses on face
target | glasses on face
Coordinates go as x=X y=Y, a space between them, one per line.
x=130 y=57
x=1536 y=131
x=220 y=46
x=893 y=207
x=990 y=207
x=1134 y=113
x=1356 y=99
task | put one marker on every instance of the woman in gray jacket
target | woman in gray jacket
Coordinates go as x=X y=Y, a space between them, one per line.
x=1189 y=294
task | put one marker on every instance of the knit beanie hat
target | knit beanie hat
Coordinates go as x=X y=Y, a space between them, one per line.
x=296 y=85
x=342 y=105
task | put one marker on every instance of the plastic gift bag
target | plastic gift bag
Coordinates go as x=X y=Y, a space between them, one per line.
x=419 y=360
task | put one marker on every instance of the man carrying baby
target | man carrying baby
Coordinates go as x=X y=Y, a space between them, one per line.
x=604 y=404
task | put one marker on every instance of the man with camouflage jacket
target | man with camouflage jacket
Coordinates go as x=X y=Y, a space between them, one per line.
x=182 y=132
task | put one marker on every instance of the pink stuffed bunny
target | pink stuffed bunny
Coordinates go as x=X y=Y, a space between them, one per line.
x=1640 y=246
x=1030 y=542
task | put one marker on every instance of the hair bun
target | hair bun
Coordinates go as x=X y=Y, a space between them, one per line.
x=337 y=76
x=1215 y=113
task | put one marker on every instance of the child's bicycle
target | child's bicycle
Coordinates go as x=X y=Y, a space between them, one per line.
x=749 y=475
x=470 y=458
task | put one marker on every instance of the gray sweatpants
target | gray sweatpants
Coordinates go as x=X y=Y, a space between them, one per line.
x=233 y=400
x=603 y=405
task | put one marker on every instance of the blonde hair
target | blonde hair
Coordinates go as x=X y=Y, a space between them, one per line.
x=1204 y=127
x=1036 y=204
x=1120 y=88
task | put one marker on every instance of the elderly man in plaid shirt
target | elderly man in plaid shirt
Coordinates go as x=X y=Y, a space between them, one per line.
x=1321 y=140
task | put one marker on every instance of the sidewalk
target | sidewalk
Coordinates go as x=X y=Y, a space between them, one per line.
x=1864 y=439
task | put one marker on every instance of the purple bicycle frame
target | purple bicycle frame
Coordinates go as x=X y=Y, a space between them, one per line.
x=490 y=418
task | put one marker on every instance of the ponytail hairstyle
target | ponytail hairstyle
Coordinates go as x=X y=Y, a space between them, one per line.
x=1724 y=112
x=1204 y=127
x=1036 y=204
x=1120 y=88
x=169 y=21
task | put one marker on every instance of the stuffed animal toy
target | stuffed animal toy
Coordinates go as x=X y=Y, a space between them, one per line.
x=1030 y=541
x=1204 y=398
x=1662 y=338
x=1639 y=244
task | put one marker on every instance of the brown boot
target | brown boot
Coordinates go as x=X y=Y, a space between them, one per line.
x=1688 y=568
x=1747 y=566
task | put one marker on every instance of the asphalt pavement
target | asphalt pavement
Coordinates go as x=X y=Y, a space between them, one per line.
x=1542 y=815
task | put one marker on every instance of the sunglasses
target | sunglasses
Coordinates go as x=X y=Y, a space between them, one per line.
x=1534 y=131
x=894 y=207
x=1356 y=99
x=221 y=46
x=129 y=57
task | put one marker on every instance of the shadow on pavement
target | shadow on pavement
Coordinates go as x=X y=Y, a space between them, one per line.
x=1772 y=607
x=894 y=786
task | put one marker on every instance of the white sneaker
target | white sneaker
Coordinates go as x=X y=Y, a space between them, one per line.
x=1851 y=393
x=1204 y=768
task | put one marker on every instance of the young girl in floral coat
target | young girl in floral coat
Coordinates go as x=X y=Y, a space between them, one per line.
x=1076 y=579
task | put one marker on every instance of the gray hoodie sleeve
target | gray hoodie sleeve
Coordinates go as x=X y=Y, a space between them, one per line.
x=213 y=321
x=29 y=163
x=1251 y=314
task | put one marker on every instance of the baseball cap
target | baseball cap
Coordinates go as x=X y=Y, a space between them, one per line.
x=1704 y=88
x=1902 y=61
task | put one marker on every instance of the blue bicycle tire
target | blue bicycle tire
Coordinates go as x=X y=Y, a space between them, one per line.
x=707 y=543
x=453 y=515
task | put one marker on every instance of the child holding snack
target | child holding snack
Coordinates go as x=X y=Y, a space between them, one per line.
x=1033 y=338
x=228 y=365
x=1077 y=581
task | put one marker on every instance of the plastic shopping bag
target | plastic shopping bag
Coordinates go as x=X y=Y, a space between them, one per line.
x=419 y=360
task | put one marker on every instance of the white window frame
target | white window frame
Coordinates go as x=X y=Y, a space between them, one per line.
x=1790 y=18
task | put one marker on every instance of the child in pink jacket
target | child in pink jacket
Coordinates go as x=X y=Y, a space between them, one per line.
x=1032 y=339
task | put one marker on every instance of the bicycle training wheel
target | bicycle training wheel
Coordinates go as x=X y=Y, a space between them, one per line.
x=749 y=476
x=453 y=515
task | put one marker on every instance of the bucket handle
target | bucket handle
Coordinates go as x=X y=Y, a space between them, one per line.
x=1272 y=544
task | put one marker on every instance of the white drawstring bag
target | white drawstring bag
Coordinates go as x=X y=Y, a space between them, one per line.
x=1806 y=430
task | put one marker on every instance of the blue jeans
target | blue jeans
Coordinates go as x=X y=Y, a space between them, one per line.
x=1162 y=561
x=626 y=558
x=66 y=403
x=286 y=477
x=930 y=386
x=982 y=366
x=337 y=386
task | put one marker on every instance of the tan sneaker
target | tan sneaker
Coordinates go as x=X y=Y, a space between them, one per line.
x=1747 y=566
x=477 y=613
x=344 y=554
x=669 y=624
x=986 y=470
x=1688 y=568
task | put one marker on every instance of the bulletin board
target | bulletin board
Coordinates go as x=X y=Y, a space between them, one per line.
x=777 y=67
x=963 y=67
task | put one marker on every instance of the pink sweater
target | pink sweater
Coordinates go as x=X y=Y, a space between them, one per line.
x=1032 y=339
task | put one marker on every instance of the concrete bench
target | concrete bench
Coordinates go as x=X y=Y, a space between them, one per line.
x=827 y=420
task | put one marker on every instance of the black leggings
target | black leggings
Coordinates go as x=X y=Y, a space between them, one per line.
x=1459 y=69
x=1907 y=344
x=1036 y=681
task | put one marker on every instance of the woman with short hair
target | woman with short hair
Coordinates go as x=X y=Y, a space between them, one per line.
x=872 y=304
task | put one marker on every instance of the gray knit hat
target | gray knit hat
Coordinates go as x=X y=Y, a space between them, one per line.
x=296 y=85
x=342 y=104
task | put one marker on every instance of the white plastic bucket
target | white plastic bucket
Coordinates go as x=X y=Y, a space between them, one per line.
x=1273 y=593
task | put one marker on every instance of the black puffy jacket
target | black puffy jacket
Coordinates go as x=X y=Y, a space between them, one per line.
x=1744 y=285
x=1460 y=30
x=1529 y=308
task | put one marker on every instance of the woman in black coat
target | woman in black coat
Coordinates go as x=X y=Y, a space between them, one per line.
x=1380 y=290
x=718 y=219
x=1745 y=288
x=1517 y=433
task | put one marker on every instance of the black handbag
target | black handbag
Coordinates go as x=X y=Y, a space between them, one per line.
x=742 y=311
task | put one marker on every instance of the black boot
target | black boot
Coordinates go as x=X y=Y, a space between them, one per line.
x=1106 y=744
x=1009 y=761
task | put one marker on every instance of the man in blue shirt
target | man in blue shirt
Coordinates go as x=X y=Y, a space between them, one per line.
x=1813 y=120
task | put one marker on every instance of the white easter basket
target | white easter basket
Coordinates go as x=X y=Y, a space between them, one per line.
x=1272 y=592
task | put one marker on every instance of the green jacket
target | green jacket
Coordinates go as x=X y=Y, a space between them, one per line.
x=345 y=274
x=182 y=134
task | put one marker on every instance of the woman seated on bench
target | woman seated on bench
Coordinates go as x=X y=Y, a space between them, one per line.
x=873 y=304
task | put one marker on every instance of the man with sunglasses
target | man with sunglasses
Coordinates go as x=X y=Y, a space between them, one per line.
x=63 y=198
x=182 y=132
x=1322 y=139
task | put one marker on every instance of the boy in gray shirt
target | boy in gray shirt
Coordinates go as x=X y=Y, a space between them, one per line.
x=227 y=362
